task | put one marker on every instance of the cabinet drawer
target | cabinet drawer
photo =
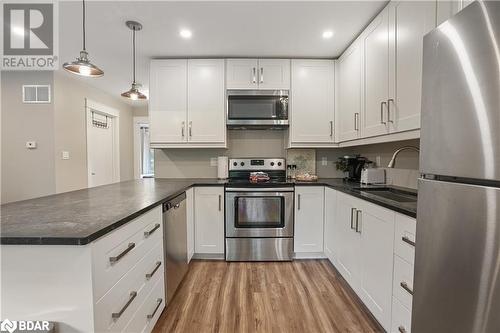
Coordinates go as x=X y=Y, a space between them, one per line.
x=115 y=254
x=401 y=318
x=403 y=274
x=114 y=311
x=150 y=310
x=404 y=236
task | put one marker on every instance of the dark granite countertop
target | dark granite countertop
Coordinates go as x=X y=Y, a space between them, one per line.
x=80 y=217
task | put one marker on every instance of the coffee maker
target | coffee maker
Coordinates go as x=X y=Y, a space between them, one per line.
x=352 y=164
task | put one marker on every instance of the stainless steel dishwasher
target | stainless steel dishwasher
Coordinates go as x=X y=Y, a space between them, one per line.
x=175 y=243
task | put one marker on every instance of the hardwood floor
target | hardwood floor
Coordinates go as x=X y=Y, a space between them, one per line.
x=299 y=296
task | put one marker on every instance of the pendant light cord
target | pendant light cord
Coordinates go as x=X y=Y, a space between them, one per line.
x=83 y=9
x=133 y=56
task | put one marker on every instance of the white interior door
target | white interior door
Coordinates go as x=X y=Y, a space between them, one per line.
x=101 y=149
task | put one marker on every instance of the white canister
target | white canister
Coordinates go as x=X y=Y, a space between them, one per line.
x=222 y=167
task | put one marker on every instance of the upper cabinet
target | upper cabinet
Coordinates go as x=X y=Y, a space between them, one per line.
x=388 y=54
x=312 y=102
x=349 y=90
x=186 y=106
x=409 y=22
x=446 y=9
x=258 y=74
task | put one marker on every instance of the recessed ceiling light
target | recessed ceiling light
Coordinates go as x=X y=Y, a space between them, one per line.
x=327 y=34
x=185 y=33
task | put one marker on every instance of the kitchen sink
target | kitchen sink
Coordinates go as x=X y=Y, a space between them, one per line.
x=391 y=194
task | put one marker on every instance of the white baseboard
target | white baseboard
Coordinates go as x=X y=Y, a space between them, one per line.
x=309 y=255
x=209 y=256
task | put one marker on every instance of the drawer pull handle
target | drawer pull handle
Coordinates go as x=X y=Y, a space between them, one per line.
x=116 y=315
x=402 y=329
x=150 y=275
x=408 y=241
x=114 y=260
x=353 y=211
x=404 y=285
x=158 y=301
x=150 y=232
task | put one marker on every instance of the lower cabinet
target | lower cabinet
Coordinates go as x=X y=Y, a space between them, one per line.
x=330 y=238
x=209 y=220
x=364 y=252
x=309 y=219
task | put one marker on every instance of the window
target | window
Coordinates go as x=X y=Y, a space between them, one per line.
x=146 y=153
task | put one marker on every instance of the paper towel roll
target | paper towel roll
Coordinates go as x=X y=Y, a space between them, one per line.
x=222 y=167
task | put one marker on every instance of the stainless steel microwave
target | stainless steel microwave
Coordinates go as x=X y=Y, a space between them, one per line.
x=257 y=108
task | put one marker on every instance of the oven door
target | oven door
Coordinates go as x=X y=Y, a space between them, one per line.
x=266 y=212
x=257 y=107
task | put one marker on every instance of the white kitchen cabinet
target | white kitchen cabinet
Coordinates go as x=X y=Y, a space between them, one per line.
x=190 y=223
x=312 y=102
x=349 y=92
x=376 y=228
x=330 y=237
x=206 y=100
x=309 y=219
x=209 y=220
x=274 y=74
x=258 y=74
x=187 y=103
x=242 y=74
x=348 y=240
x=409 y=22
x=376 y=75
x=168 y=101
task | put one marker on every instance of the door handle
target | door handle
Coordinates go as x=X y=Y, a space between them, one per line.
x=116 y=315
x=402 y=329
x=404 y=285
x=408 y=241
x=150 y=232
x=356 y=121
x=254 y=80
x=358 y=227
x=382 y=113
x=331 y=128
x=190 y=129
x=183 y=125
x=262 y=75
x=352 y=217
x=220 y=202
x=298 y=201
x=129 y=248
x=389 y=101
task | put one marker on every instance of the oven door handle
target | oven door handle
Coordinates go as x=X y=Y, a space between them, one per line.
x=259 y=189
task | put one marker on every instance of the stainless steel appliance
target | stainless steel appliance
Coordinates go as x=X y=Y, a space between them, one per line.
x=257 y=108
x=259 y=216
x=457 y=267
x=175 y=243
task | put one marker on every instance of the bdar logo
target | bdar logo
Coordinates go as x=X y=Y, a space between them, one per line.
x=29 y=29
x=8 y=326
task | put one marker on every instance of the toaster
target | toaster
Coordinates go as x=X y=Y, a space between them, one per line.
x=373 y=176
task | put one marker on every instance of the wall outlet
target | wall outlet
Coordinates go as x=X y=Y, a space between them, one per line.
x=65 y=155
x=31 y=144
x=213 y=161
x=324 y=161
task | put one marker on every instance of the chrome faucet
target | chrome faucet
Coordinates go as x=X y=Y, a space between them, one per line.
x=393 y=159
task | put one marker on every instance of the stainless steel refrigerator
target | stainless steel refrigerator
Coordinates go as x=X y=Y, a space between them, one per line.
x=457 y=264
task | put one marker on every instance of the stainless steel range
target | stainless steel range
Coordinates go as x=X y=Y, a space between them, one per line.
x=259 y=216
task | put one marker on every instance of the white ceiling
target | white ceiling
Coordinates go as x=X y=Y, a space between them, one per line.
x=220 y=29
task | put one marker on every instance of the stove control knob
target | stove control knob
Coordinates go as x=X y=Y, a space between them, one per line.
x=235 y=164
x=272 y=163
x=279 y=163
x=242 y=163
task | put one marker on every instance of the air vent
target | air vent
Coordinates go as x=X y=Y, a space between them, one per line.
x=36 y=93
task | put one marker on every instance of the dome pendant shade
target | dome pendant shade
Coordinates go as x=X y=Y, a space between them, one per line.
x=82 y=66
x=134 y=93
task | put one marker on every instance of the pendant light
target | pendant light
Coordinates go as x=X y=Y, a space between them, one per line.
x=134 y=92
x=82 y=65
